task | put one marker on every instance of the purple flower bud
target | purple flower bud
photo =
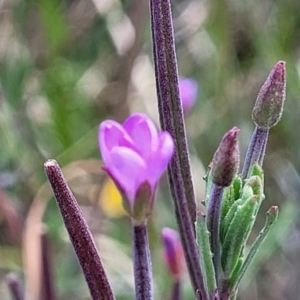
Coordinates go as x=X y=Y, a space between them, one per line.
x=270 y=100
x=173 y=252
x=135 y=155
x=225 y=162
x=188 y=91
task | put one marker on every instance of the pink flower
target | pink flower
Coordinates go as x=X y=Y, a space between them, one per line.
x=173 y=252
x=135 y=155
x=188 y=91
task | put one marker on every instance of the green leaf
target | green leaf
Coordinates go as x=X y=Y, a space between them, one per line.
x=271 y=218
x=237 y=235
x=226 y=221
x=227 y=201
x=237 y=187
x=231 y=194
x=257 y=170
x=202 y=237
x=256 y=184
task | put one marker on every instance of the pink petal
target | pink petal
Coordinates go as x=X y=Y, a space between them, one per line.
x=143 y=133
x=160 y=159
x=112 y=134
x=128 y=169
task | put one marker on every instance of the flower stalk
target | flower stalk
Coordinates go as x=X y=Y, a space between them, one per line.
x=47 y=287
x=142 y=263
x=266 y=113
x=176 y=290
x=224 y=168
x=15 y=287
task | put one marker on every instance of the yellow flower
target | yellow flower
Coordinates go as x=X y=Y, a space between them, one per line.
x=111 y=200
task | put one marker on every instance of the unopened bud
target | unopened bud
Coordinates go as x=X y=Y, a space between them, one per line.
x=272 y=214
x=226 y=159
x=173 y=252
x=268 y=107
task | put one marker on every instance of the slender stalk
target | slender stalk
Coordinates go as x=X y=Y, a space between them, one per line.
x=183 y=237
x=225 y=164
x=47 y=288
x=142 y=264
x=171 y=118
x=188 y=240
x=79 y=233
x=213 y=224
x=256 y=150
x=263 y=150
x=176 y=290
x=15 y=287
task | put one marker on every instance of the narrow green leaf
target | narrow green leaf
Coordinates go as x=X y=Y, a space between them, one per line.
x=202 y=237
x=237 y=235
x=225 y=223
x=236 y=271
x=257 y=170
x=271 y=218
x=237 y=186
x=256 y=184
x=227 y=201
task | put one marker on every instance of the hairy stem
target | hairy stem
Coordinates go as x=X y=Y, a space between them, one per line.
x=256 y=150
x=171 y=118
x=142 y=264
x=213 y=224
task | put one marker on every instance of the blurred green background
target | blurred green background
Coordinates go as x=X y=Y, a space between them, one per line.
x=65 y=66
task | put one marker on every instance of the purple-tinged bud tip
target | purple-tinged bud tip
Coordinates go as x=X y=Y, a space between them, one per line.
x=268 y=107
x=173 y=251
x=226 y=159
x=188 y=91
x=273 y=209
x=272 y=215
